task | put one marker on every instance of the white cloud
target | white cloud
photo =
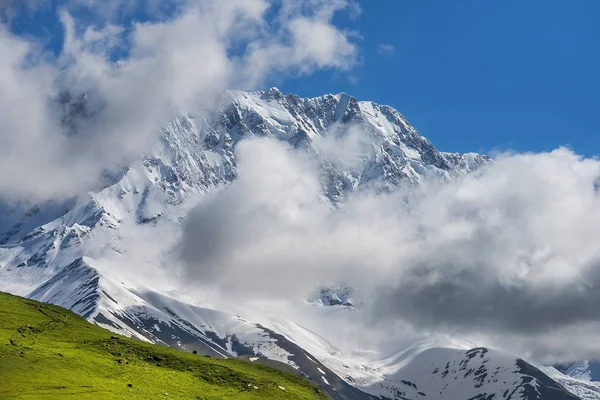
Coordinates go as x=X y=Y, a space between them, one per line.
x=506 y=257
x=306 y=42
x=345 y=147
x=386 y=49
x=181 y=60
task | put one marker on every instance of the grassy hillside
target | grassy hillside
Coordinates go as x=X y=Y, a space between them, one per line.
x=47 y=352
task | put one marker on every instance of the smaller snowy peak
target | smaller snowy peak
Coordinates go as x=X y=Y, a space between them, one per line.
x=75 y=287
x=479 y=373
x=335 y=296
x=272 y=94
x=582 y=370
x=583 y=388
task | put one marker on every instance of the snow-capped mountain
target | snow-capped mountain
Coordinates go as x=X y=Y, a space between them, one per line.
x=195 y=156
x=75 y=252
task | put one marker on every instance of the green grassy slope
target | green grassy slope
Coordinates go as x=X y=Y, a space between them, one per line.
x=47 y=352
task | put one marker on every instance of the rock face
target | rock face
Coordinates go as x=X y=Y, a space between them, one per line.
x=360 y=143
x=57 y=251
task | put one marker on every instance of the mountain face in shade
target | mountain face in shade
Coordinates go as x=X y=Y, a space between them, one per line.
x=74 y=252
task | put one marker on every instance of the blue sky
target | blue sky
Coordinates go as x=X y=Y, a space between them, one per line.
x=470 y=75
x=477 y=75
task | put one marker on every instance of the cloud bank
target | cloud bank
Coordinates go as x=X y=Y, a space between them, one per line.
x=507 y=256
x=99 y=102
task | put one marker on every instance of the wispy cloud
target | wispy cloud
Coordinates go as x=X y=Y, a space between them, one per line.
x=11 y=8
x=385 y=49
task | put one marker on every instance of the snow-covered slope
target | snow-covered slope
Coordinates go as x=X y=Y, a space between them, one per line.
x=478 y=373
x=580 y=386
x=77 y=252
x=584 y=369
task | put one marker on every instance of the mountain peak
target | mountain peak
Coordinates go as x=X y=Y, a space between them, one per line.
x=272 y=94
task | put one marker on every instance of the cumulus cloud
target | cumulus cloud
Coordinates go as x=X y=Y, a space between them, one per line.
x=507 y=256
x=308 y=41
x=99 y=103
